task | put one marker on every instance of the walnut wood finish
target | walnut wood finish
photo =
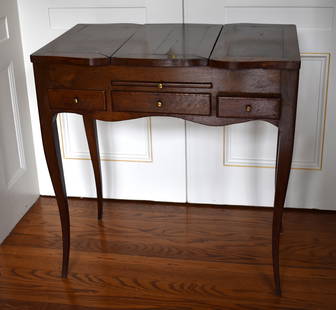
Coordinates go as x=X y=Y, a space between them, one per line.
x=283 y=161
x=160 y=102
x=169 y=45
x=90 y=125
x=209 y=74
x=54 y=161
x=53 y=156
x=243 y=107
x=79 y=100
x=90 y=45
x=256 y=46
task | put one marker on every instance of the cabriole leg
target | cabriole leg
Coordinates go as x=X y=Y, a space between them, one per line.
x=90 y=125
x=289 y=82
x=54 y=162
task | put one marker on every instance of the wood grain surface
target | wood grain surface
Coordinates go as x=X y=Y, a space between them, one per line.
x=146 y=255
x=232 y=46
x=156 y=102
x=86 y=44
x=235 y=106
x=256 y=46
x=169 y=45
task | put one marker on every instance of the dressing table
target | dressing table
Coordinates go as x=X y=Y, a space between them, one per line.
x=210 y=74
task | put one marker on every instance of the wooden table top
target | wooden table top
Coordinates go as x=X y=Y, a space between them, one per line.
x=232 y=46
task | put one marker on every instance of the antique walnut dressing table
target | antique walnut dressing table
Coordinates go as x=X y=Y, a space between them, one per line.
x=210 y=74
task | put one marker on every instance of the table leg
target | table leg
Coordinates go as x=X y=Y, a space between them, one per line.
x=54 y=161
x=289 y=81
x=275 y=180
x=90 y=125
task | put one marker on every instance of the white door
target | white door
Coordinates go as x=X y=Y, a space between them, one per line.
x=141 y=159
x=235 y=165
x=18 y=179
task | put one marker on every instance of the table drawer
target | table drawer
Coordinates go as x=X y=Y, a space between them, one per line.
x=168 y=103
x=245 y=107
x=81 y=100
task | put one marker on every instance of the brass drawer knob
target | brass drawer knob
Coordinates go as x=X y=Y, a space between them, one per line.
x=248 y=108
x=160 y=85
x=75 y=100
x=159 y=104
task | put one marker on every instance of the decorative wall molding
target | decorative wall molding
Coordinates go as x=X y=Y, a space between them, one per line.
x=311 y=116
x=14 y=164
x=304 y=17
x=70 y=152
x=308 y=15
x=66 y=17
x=4 y=33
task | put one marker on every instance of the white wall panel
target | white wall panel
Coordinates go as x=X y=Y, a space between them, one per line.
x=234 y=165
x=65 y=18
x=257 y=140
x=320 y=18
x=4 y=35
x=132 y=151
x=13 y=158
x=115 y=143
x=162 y=179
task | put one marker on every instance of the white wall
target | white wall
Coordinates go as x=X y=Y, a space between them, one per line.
x=170 y=160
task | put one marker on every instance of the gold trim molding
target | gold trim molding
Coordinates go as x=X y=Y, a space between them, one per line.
x=322 y=133
x=60 y=122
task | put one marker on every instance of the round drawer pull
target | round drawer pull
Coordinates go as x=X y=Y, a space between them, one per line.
x=160 y=85
x=159 y=104
x=75 y=100
x=248 y=108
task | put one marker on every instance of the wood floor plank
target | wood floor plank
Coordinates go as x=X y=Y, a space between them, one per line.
x=167 y=256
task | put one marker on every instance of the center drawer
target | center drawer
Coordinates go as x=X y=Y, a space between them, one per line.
x=168 y=103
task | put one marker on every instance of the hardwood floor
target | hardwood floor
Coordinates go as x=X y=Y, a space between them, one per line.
x=153 y=256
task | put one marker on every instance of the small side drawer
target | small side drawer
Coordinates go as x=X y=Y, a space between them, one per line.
x=81 y=100
x=168 y=103
x=246 y=107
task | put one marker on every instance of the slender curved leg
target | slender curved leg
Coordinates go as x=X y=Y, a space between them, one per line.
x=54 y=161
x=92 y=138
x=289 y=82
x=275 y=180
